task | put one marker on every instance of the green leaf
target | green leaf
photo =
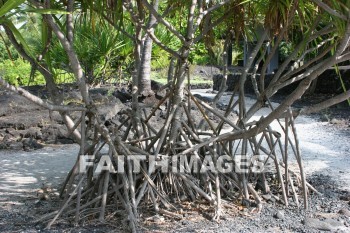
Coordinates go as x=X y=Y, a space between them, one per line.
x=9 y=5
x=19 y=37
x=47 y=11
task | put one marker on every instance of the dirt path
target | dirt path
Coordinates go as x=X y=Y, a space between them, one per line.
x=23 y=173
x=325 y=150
x=325 y=147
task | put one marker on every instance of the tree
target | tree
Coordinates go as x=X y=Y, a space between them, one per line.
x=179 y=135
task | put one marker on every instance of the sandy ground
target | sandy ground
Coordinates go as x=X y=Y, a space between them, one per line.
x=23 y=173
x=325 y=147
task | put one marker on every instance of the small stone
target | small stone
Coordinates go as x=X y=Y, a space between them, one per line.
x=245 y=203
x=266 y=197
x=16 y=146
x=184 y=222
x=183 y=198
x=345 y=212
x=30 y=143
x=6 y=138
x=336 y=121
x=324 y=118
x=335 y=223
x=317 y=224
x=43 y=196
x=345 y=197
x=158 y=218
x=279 y=215
x=3 y=146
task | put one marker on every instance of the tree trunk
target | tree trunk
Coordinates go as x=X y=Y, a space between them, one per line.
x=144 y=73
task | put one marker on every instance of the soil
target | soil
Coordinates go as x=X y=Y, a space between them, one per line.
x=36 y=155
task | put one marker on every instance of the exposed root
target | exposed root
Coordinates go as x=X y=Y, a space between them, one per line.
x=150 y=166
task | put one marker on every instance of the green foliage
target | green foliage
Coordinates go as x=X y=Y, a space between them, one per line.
x=199 y=55
x=9 y=5
x=7 y=52
x=17 y=72
x=237 y=54
x=160 y=58
x=285 y=49
x=98 y=50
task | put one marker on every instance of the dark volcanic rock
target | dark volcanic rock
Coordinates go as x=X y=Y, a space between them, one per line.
x=233 y=80
x=328 y=82
x=345 y=212
x=15 y=146
x=31 y=144
x=52 y=133
x=122 y=95
x=33 y=132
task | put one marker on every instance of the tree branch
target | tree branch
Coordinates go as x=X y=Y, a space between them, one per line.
x=163 y=46
x=190 y=20
x=206 y=12
x=210 y=27
x=320 y=56
x=73 y=58
x=297 y=49
x=161 y=20
x=38 y=100
x=345 y=41
x=325 y=104
x=328 y=9
x=70 y=23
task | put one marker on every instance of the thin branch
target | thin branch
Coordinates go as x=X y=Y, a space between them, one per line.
x=73 y=58
x=23 y=53
x=329 y=28
x=202 y=14
x=325 y=104
x=163 y=46
x=319 y=45
x=319 y=57
x=344 y=42
x=328 y=9
x=38 y=100
x=161 y=20
x=70 y=22
x=190 y=20
x=290 y=17
x=210 y=27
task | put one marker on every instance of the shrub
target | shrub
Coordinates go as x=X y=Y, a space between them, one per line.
x=17 y=73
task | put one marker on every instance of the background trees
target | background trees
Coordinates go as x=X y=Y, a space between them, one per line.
x=93 y=40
